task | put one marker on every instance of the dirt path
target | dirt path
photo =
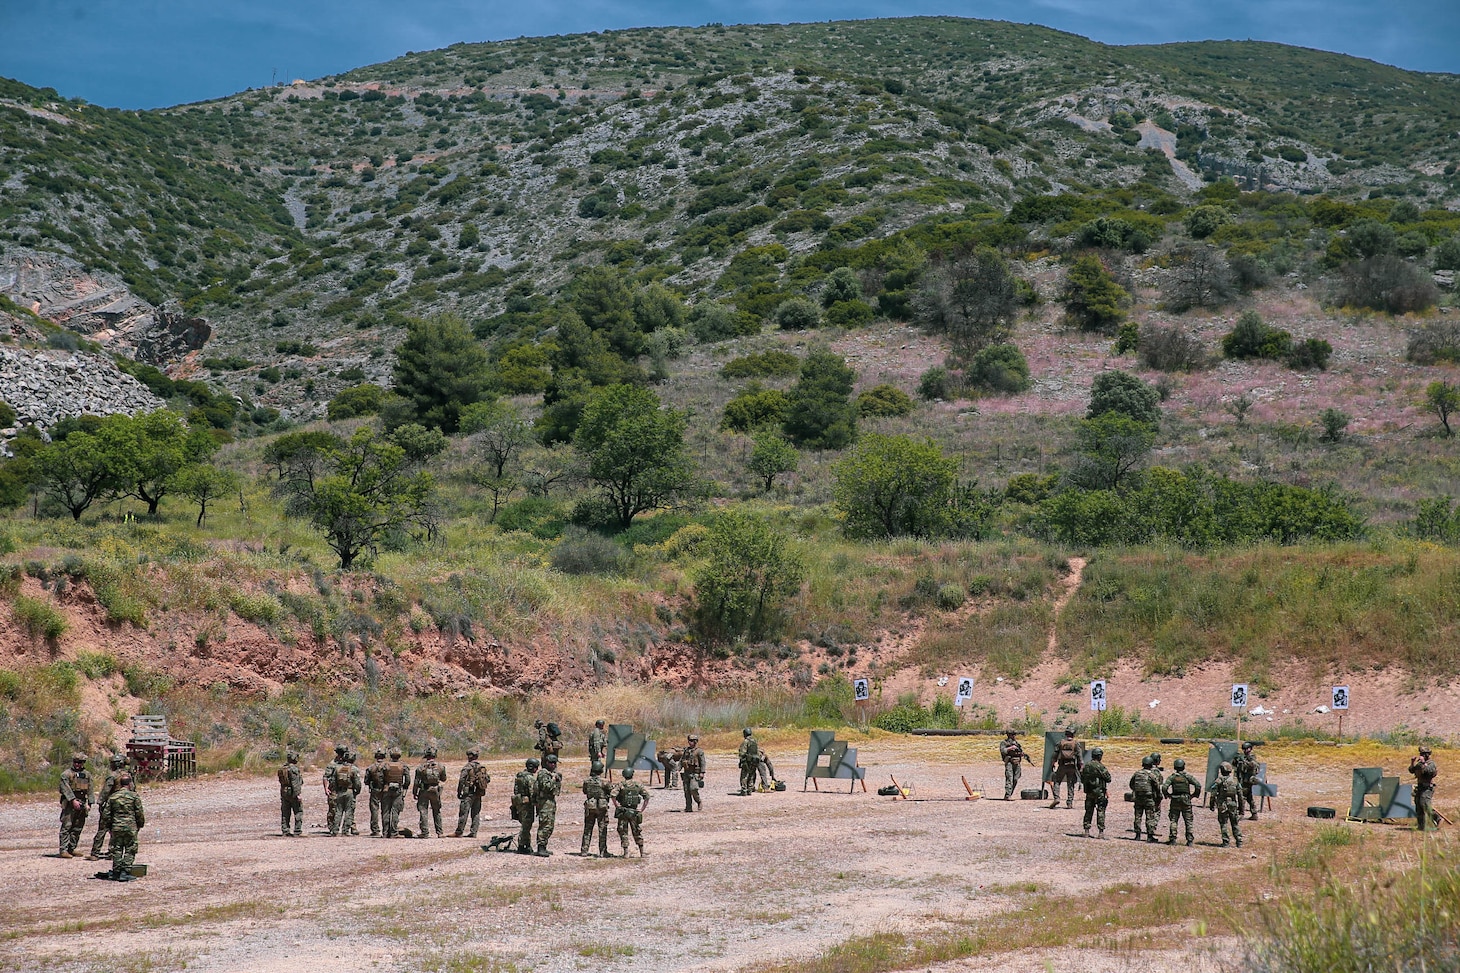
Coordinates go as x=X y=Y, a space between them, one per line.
x=1071 y=583
x=775 y=877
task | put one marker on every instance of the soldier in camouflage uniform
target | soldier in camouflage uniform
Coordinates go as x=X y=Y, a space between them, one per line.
x=1246 y=769
x=375 y=784
x=545 y=790
x=670 y=761
x=1425 y=770
x=1066 y=770
x=597 y=744
x=124 y=817
x=291 y=796
x=749 y=757
x=397 y=777
x=552 y=742
x=1160 y=777
x=108 y=786
x=344 y=789
x=1143 y=788
x=330 y=799
x=76 y=798
x=430 y=778
x=767 y=770
x=1095 y=779
x=1013 y=756
x=471 y=787
x=692 y=773
x=630 y=800
x=1227 y=793
x=1183 y=789
x=524 y=805
x=595 y=810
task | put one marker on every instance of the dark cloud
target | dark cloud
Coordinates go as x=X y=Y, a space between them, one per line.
x=146 y=53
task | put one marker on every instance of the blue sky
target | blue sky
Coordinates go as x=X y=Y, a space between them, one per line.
x=148 y=53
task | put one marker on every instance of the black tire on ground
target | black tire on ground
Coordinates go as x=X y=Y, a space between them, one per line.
x=1031 y=794
x=1322 y=812
x=1169 y=740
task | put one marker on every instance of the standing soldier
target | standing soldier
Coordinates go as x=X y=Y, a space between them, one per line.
x=630 y=800
x=345 y=788
x=545 y=790
x=670 y=761
x=595 y=810
x=541 y=744
x=1013 y=756
x=524 y=805
x=375 y=783
x=108 y=786
x=1095 y=779
x=1425 y=771
x=1159 y=776
x=397 y=778
x=749 y=756
x=1227 y=793
x=291 y=796
x=430 y=777
x=1066 y=769
x=692 y=772
x=597 y=745
x=471 y=787
x=552 y=742
x=76 y=797
x=1182 y=789
x=1245 y=767
x=124 y=817
x=329 y=788
x=1143 y=788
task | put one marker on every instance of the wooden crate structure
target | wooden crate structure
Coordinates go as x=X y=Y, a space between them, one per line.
x=155 y=755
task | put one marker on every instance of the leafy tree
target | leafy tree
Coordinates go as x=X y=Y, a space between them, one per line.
x=770 y=456
x=893 y=485
x=1091 y=297
x=1251 y=337
x=937 y=383
x=202 y=484
x=1443 y=400
x=1172 y=349
x=1113 y=233
x=18 y=474
x=1124 y=393
x=755 y=407
x=7 y=415
x=1385 y=283
x=1000 y=369
x=1201 y=278
x=1447 y=254
x=972 y=299
x=500 y=436
x=713 y=321
x=820 y=416
x=633 y=450
x=1335 y=423
x=357 y=400
x=1203 y=221
x=440 y=367
x=77 y=471
x=656 y=307
x=841 y=285
x=604 y=301
x=147 y=450
x=749 y=573
x=884 y=401
x=469 y=237
x=1370 y=238
x=354 y=491
x=1110 y=446
x=798 y=314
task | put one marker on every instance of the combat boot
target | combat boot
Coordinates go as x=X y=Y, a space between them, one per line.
x=1102 y=834
x=642 y=852
x=65 y=854
x=1252 y=816
x=126 y=877
x=544 y=853
x=1188 y=841
x=1225 y=842
x=1171 y=840
x=1087 y=832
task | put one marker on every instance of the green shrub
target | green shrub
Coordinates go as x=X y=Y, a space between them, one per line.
x=261 y=608
x=849 y=314
x=749 y=573
x=584 y=552
x=1000 y=369
x=1438 y=341
x=884 y=401
x=39 y=619
x=7 y=415
x=144 y=683
x=908 y=715
x=765 y=364
x=542 y=517
x=950 y=597
x=1251 y=337
x=96 y=665
x=937 y=383
x=1334 y=422
x=754 y=408
x=798 y=314
x=358 y=400
x=1125 y=394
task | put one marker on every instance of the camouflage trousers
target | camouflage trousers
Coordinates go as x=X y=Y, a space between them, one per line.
x=1229 y=813
x=1066 y=776
x=97 y=839
x=124 y=849
x=470 y=813
x=595 y=818
x=1011 y=777
x=1095 y=808
x=330 y=813
x=547 y=822
x=1184 y=814
x=291 y=806
x=692 y=785
x=377 y=812
x=1424 y=804
x=344 y=823
x=73 y=822
x=526 y=814
x=747 y=777
x=391 y=806
x=671 y=776
x=428 y=803
x=767 y=778
x=1146 y=811
x=630 y=821
x=1245 y=798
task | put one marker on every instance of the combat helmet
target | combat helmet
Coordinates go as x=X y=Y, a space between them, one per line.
x=1179 y=764
x=1226 y=767
x=292 y=757
x=341 y=750
x=1147 y=763
x=473 y=753
x=550 y=761
x=693 y=738
x=532 y=763
x=430 y=753
x=596 y=768
x=554 y=730
x=379 y=754
x=395 y=753
x=598 y=723
x=1069 y=731
x=117 y=761
x=1098 y=753
x=79 y=758
x=1155 y=758
x=1246 y=744
x=1425 y=751
x=628 y=773
x=1010 y=732
x=745 y=732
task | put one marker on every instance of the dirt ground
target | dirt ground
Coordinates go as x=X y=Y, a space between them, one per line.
x=751 y=882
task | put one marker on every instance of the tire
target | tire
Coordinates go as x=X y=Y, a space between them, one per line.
x=1171 y=740
x=1032 y=794
x=1325 y=813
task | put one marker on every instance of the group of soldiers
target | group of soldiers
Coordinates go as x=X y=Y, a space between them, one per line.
x=121 y=815
x=1149 y=787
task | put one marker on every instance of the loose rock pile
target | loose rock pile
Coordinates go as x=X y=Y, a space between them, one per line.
x=45 y=387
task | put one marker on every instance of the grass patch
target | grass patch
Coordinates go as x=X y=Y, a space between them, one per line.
x=1006 y=640
x=38 y=618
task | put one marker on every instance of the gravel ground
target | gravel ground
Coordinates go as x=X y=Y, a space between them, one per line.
x=771 y=878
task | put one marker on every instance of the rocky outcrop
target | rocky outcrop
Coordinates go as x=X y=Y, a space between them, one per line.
x=45 y=387
x=99 y=306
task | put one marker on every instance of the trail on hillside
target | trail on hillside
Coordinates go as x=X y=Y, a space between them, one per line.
x=1071 y=582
